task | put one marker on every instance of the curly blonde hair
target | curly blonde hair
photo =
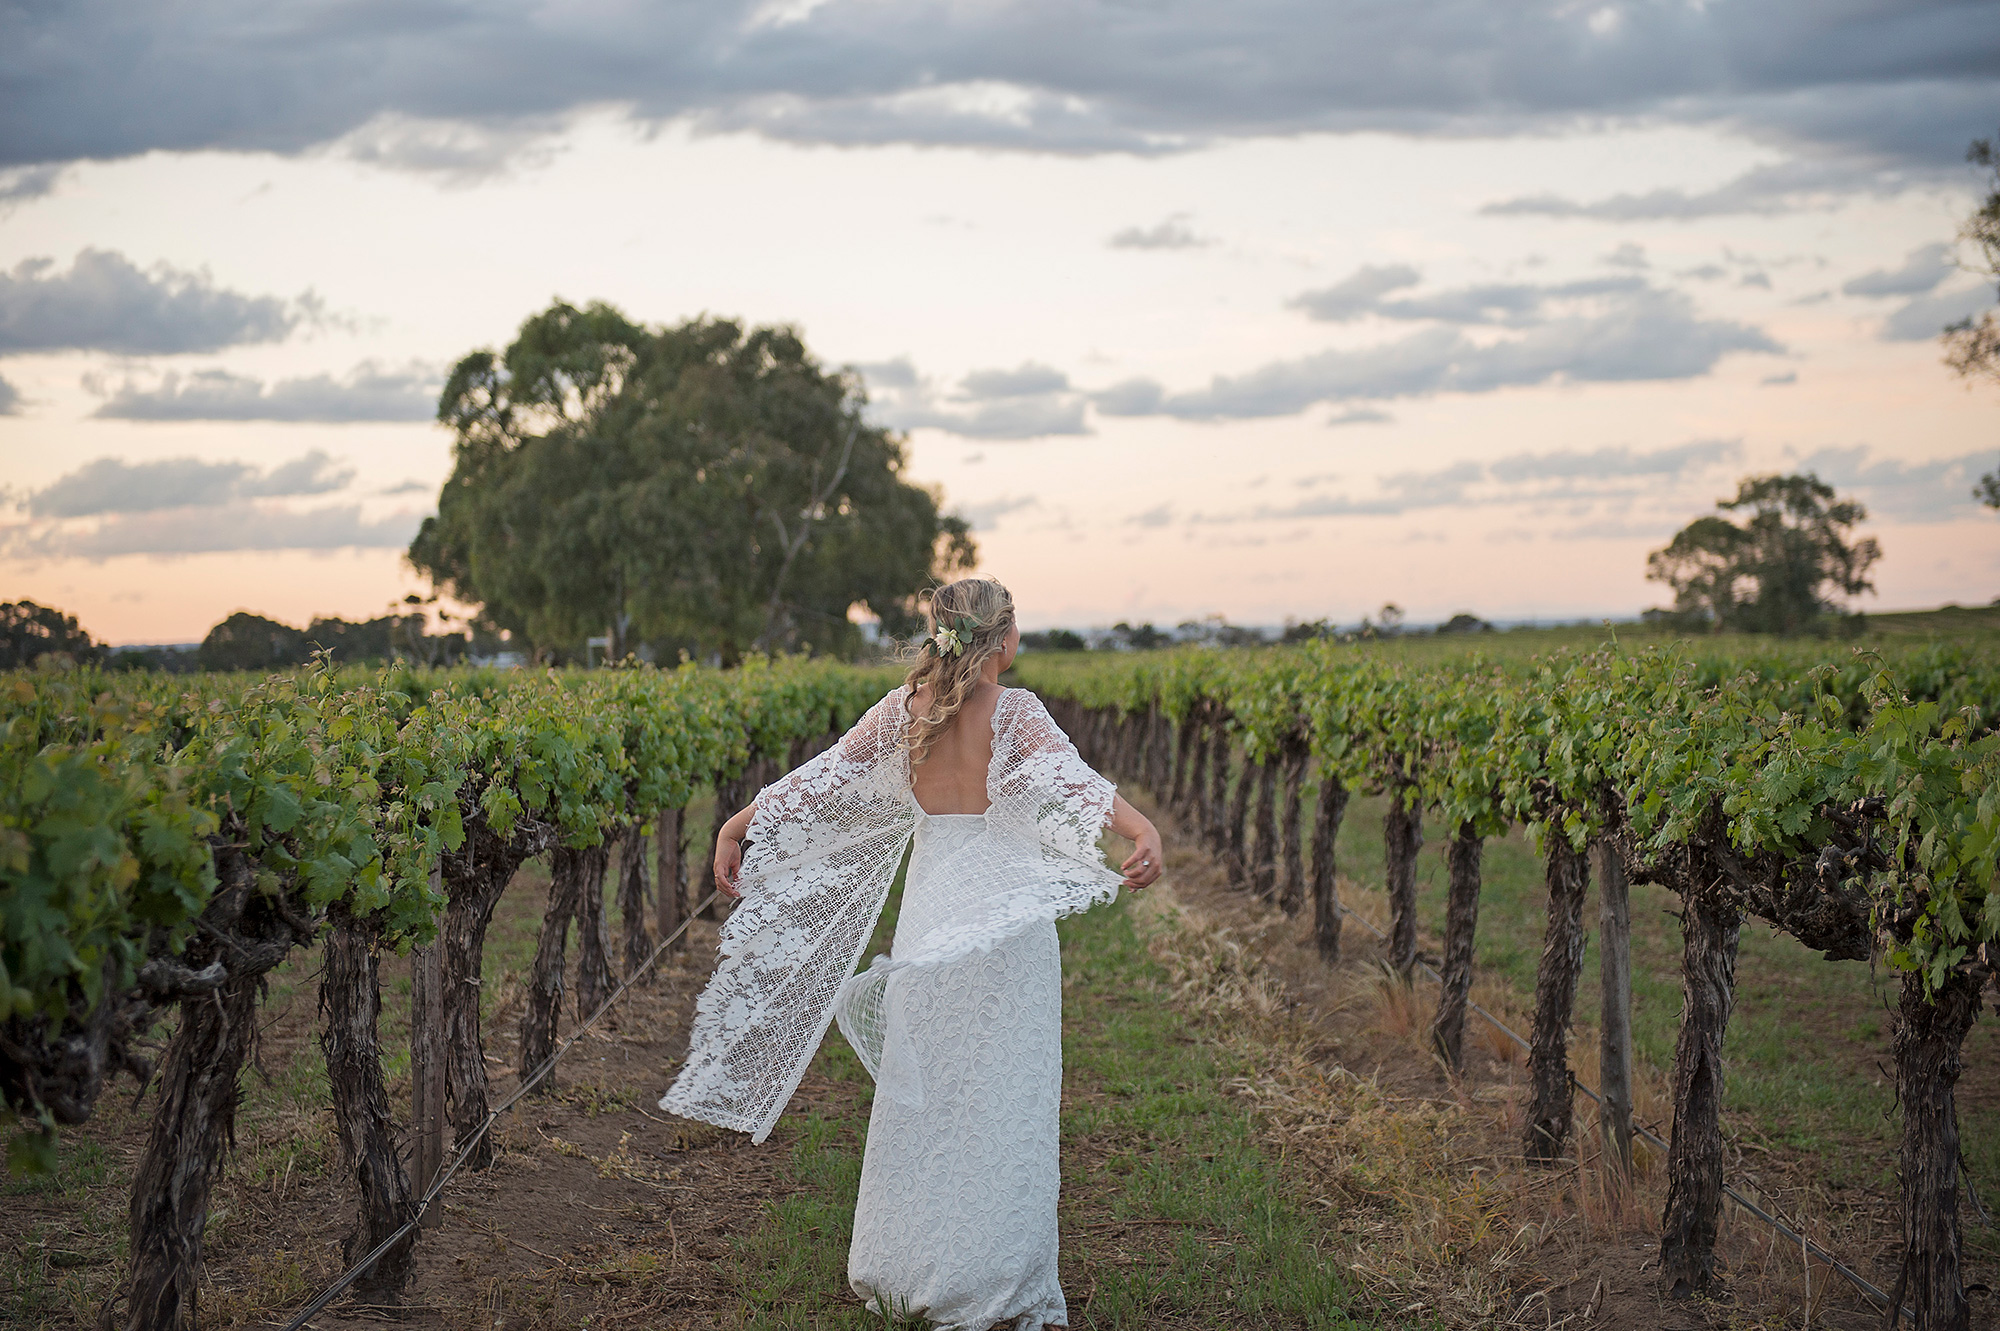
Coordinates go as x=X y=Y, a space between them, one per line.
x=969 y=620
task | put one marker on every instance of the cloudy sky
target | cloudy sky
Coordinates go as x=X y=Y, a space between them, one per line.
x=1256 y=307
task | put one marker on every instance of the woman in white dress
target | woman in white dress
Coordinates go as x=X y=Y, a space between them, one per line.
x=961 y=1024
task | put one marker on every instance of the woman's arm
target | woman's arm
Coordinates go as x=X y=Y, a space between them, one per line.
x=729 y=851
x=1142 y=866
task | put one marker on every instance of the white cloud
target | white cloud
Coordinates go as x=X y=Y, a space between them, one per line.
x=1172 y=234
x=369 y=392
x=105 y=302
x=115 y=486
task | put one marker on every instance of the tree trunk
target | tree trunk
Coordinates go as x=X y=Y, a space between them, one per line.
x=1162 y=776
x=1328 y=810
x=1216 y=824
x=594 y=981
x=1402 y=838
x=1264 y=868
x=545 y=982
x=632 y=888
x=350 y=1004
x=1552 y=1100
x=1694 y=1157
x=1614 y=1050
x=1234 y=857
x=1292 y=890
x=671 y=899
x=1928 y=1038
x=1183 y=763
x=194 y=1118
x=1461 y=925
x=475 y=877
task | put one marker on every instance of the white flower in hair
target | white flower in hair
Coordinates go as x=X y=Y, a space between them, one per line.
x=946 y=642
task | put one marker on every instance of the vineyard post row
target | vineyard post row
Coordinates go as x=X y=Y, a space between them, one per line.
x=167 y=843
x=1855 y=808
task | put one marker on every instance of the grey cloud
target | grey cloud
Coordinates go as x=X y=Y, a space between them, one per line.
x=1360 y=416
x=406 y=488
x=1028 y=402
x=1762 y=280
x=10 y=399
x=1640 y=335
x=1508 y=304
x=1579 y=480
x=188 y=531
x=1172 y=234
x=1921 y=271
x=1157 y=516
x=1924 y=317
x=1780 y=380
x=1133 y=397
x=1917 y=492
x=454 y=152
x=1357 y=295
x=105 y=302
x=368 y=393
x=1628 y=255
x=1028 y=380
x=115 y=486
x=1905 y=83
x=1781 y=187
x=25 y=183
x=1612 y=463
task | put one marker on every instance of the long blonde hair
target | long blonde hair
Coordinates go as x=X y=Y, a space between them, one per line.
x=969 y=620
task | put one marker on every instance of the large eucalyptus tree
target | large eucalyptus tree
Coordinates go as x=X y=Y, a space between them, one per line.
x=697 y=485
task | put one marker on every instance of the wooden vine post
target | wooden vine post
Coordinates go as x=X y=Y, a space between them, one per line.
x=1614 y=1054
x=427 y=1070
x=670 y=901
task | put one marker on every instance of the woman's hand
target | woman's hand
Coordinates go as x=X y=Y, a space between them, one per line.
x=1142 y=866
x=728 y=866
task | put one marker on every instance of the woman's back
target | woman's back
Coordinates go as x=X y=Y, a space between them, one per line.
x=952 y=776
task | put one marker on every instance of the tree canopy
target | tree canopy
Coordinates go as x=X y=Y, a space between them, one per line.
x=697 y=486
x=29 y=632
x=1778 y=568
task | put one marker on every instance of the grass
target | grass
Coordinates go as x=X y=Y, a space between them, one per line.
x=1173 y=1213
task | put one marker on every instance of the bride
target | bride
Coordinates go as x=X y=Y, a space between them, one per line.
x=961 y=1024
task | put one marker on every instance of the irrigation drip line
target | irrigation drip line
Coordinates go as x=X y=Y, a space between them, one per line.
x=534 y=1079
x=1853 y=1277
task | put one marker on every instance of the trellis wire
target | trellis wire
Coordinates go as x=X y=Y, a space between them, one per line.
x=534 y=1079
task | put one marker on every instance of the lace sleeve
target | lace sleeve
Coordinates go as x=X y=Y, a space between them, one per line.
x=1038 y=769
x=823 y=849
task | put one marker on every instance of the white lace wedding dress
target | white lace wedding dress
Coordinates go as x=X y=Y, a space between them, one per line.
x=961 y=1025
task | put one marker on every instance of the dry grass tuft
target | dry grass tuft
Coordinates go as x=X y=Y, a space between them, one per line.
x=1425 y=1226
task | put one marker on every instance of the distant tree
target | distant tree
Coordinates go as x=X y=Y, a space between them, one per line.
x=696 y=483
x=28 y=632
x=1143 y=638
x=1776 y=570
x=1053 y=640
x=1987 y=491
x=1307 y=630
x=251 y=642
x=1465 y=622
x=1972 y=346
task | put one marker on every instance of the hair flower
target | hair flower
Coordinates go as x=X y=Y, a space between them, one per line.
x=946 y=642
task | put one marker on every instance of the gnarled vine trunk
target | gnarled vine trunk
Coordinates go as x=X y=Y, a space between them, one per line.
x=1930 y=1032
x=594 y=982
x=350 y=1004
x=1234 y=852
x=1195 y=793
x=632 y=889
x=249 y=931
x=1263 y=868
x=1292 y=883
x=671 y=898
x=568 y=873
x=1551 y=1106
x=1693 y=1216
x=1461 y=924
x=1328 y=811
x=475 y=877
x=1402 y=838
x=1216 y=821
